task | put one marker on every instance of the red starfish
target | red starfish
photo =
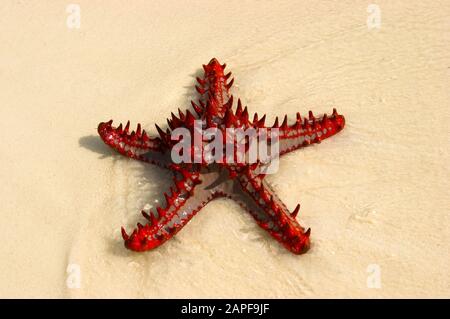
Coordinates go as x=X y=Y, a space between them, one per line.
x=196 y=184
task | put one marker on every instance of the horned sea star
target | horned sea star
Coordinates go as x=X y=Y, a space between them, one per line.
x=195 y=184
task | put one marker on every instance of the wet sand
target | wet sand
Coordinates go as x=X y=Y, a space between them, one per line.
x=375 y=196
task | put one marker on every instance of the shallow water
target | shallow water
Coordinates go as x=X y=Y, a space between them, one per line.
x=375 y=195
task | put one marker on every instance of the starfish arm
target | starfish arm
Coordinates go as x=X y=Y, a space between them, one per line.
x=136 y=144
x=309 y=131
x=214 y=90
x=270 y=212
x=181 y=206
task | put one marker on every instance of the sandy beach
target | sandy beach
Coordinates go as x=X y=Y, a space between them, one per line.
x=376 y=195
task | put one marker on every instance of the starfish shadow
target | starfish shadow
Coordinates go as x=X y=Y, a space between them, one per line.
x=142 y=172
x=191 y=94
x=96 y=145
